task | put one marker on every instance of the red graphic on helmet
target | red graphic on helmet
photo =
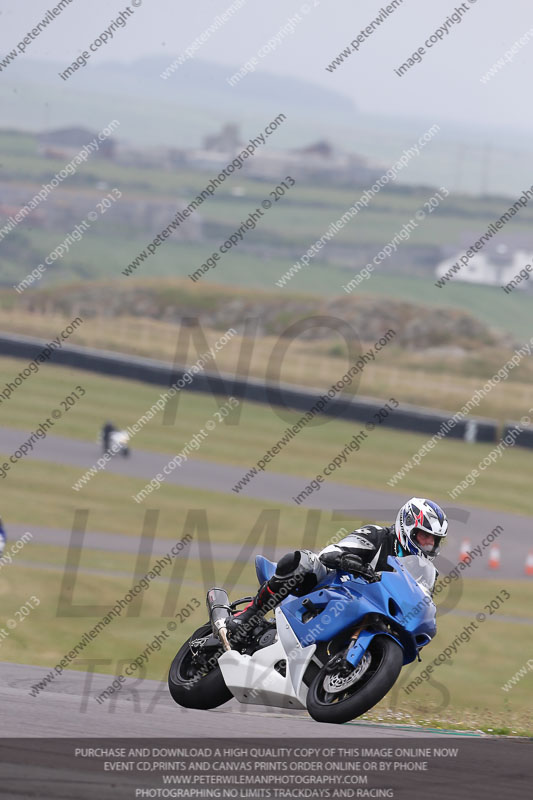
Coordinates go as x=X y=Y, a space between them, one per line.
x=419 y=519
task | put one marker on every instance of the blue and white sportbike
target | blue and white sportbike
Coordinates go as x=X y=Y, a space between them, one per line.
x=337 y=651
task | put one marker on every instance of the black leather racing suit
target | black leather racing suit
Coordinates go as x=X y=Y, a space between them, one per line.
x=372 y=543
x=299 y=572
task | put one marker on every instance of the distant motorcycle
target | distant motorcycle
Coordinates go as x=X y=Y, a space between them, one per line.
x=119 y=443
x=336 y=651
x=114 y=442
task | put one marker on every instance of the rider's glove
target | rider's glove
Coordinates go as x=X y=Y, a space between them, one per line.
x=344 y=561
x=331 y=560
x=350 y=562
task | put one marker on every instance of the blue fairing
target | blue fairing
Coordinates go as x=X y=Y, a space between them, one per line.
x=264 y=568
x=342 y=601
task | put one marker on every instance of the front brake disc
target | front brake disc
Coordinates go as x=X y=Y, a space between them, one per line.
x=338 y=683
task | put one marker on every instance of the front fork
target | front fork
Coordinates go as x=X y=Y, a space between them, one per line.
x=358 y=648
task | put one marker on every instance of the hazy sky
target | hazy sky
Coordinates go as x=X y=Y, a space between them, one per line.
x=445 y=85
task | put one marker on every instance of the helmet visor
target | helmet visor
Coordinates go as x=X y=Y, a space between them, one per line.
x=427 y=542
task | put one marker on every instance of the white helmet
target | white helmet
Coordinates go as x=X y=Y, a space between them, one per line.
x=423 y=515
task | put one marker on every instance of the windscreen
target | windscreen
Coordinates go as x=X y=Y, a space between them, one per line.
x=421 y=570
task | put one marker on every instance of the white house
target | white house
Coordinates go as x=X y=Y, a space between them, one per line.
x=494 y=268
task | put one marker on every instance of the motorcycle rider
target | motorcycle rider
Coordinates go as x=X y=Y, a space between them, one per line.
x=107 y=429
x=421 y=525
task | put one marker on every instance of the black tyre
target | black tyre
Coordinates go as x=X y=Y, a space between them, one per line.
x=197 y=685
x=339 y=693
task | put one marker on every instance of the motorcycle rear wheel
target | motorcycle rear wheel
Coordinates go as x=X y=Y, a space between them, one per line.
x=189 y=687
x=353 y=695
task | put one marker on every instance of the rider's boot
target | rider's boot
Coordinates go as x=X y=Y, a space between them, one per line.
x=293 y=570
x=245 y=621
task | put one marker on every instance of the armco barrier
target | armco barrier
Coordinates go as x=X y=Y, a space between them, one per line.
x=524 y=437
x=159 y=373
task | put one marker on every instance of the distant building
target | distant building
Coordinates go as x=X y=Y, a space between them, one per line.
x=323 y=149
x=65 y=142
x=495 y=264
x=226 y=141
x=319 y=160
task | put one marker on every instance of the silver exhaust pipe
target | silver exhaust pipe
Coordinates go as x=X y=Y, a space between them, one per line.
x=219 y=612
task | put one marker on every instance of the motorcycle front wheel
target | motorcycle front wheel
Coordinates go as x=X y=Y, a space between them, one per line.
x=340 y=692
x=197 y=684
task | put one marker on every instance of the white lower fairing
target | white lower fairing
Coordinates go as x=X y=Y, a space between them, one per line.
x=253 y=679
x=298 y=657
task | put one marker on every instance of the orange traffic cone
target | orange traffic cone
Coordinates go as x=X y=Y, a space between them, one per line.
x=494 y=557
x=529 y=563
x=464 y=555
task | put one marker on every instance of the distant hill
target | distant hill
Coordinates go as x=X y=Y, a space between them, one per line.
x=416 y=326
x=193 y=99
x=196 y=100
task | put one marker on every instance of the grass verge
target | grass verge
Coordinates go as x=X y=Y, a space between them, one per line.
x=504 y=486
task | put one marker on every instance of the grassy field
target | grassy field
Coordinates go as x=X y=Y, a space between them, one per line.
x=487 y=303
x=438 y=381
x=25 y=165
x=504 y=486
x=111 y=508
